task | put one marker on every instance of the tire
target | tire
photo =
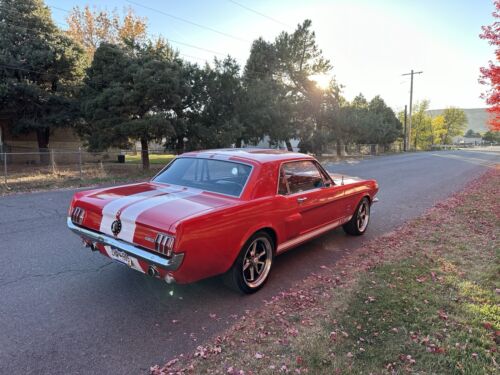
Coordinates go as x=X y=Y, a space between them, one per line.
x=360 y=219
x=256 y=255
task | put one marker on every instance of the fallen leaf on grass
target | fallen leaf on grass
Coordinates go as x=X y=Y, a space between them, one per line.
x=442 y=315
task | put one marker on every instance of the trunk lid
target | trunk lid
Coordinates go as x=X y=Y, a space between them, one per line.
x=145 y=208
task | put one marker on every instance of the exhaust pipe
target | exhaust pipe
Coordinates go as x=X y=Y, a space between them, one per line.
x=153 y=272
x=91 y=245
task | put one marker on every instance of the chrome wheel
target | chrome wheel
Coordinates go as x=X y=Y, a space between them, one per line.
x=363 y=216
x=257 y=262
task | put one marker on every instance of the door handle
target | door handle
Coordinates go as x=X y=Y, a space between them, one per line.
x=301 y=199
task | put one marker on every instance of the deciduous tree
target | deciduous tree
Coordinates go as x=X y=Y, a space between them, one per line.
x=421 y=130
x=92 y=26
x=438 y=129
x=490 y=75
x=455 y=123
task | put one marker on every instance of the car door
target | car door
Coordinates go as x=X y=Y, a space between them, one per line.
x=309 y=195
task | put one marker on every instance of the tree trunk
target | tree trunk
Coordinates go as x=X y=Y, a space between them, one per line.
x=338 y=148
x=289 y=145
x=238 y=143
x=42 y=137
x=179 y=146
x=144 y=154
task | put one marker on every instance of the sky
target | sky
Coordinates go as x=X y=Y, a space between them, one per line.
x=370 y=43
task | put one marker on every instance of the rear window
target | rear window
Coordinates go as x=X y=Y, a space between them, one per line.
x=218 y=176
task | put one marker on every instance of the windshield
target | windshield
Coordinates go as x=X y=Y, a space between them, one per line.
x=217 y=176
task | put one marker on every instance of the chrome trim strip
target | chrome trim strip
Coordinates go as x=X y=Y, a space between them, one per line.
x=167 y=264
x=307 y=236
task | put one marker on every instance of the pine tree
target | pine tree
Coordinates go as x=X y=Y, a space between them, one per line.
x=131 y=93
x=39 y=68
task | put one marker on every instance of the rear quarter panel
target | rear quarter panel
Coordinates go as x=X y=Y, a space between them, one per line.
x=212 y=242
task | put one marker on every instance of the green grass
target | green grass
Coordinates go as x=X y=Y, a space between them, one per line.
x=425 y=327
x=435 y=312
x=153 y=159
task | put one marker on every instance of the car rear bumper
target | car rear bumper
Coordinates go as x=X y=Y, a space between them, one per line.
x=96 y=239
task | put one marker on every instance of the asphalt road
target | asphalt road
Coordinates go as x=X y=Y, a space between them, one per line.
x=65 y=310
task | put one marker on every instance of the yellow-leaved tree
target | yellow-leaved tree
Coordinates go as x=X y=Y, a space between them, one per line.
x=421 y=127
x=438 y=129
x=91 y=27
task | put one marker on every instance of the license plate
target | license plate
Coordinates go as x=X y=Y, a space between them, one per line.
x=121 y=257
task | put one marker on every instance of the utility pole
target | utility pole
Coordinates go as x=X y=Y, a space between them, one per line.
x=405 y=144
x=411 y=104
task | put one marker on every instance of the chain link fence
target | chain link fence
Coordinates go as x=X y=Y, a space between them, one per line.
x=362 y=150
x=22 y=169
x=27 y=169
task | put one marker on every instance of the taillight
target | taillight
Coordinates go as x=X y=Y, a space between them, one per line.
x=77 y=215
x=164 y=244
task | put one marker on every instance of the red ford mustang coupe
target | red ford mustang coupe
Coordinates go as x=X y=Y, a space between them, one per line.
x=220 y=212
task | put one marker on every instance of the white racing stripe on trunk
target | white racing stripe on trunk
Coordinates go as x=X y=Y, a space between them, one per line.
x=110 y=210
x=130 y=214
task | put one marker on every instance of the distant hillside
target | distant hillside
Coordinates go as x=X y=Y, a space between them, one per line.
x=477 y=118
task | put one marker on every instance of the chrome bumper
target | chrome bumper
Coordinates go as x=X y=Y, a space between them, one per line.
x=167 y=264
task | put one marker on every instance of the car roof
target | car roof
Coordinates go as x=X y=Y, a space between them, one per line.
x=259 y=155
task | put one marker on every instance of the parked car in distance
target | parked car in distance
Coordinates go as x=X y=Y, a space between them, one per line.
x=228 y=211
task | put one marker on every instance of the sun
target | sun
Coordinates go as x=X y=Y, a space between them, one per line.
x=322 y=80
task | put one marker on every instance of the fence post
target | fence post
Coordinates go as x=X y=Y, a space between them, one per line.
x=52 y=162
x=5 y=167
x=80 y=162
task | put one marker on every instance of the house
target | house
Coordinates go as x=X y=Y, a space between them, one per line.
x=467 y=141
x=23 y=148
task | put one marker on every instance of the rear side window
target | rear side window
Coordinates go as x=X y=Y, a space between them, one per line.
x=299 y=176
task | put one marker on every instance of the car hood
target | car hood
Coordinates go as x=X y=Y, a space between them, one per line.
x=342 y=179
x=145 y=207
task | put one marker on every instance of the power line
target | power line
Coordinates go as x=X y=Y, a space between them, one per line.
x=58 y=8
x=168 y=39
x=259 y=13
x=196 y=47
x=189 y=22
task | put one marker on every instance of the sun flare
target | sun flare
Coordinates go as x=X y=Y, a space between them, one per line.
x=322 y=80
